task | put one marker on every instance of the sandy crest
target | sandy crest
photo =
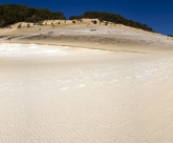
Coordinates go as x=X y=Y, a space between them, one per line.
x=86 y=96
x=84 y=33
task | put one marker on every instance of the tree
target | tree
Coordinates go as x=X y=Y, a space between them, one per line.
x=169 y=35
x=111 y=17
x=10 y=14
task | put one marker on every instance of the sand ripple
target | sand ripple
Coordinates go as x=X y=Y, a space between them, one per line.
x=103 y=98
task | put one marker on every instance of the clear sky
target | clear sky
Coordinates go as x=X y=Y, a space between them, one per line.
x=158 y=14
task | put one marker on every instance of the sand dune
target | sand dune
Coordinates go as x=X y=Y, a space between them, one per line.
x=88 y=91
x=60 y=32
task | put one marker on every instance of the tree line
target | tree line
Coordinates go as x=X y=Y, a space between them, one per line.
x=10 y=14
x=115 y=18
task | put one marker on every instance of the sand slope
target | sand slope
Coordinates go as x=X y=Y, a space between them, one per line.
x=85 y=83
x=85 y=96
x=83 y=32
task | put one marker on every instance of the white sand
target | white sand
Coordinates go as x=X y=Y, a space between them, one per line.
x=84 y=96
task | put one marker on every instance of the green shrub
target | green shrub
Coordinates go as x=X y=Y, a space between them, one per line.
x=52 y=24
x=169 y=35
x=80 y=20
x=19 y=26
x=12 y=13
x=28 y=25
x=113 y=18
x=106 y=23
x=94 y=21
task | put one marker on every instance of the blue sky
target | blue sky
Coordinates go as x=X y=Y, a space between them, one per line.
x=157 y=14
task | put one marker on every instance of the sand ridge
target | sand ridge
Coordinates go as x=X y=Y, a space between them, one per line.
x=65 y=32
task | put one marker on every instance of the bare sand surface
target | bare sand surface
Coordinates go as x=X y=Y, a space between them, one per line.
x=85 y=83
x=82 y=95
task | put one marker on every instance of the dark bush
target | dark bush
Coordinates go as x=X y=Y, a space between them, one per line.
x=19 y=26
x=10 y=14
x=94 y=21
x=169 y=35
x=115 y=18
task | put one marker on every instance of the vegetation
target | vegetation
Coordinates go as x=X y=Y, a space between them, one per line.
x=94 y=21
x=19 y=26
x=28 y=25
x=10 y=14
x=106 y=23
x=115 y=18
x=169 y=35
